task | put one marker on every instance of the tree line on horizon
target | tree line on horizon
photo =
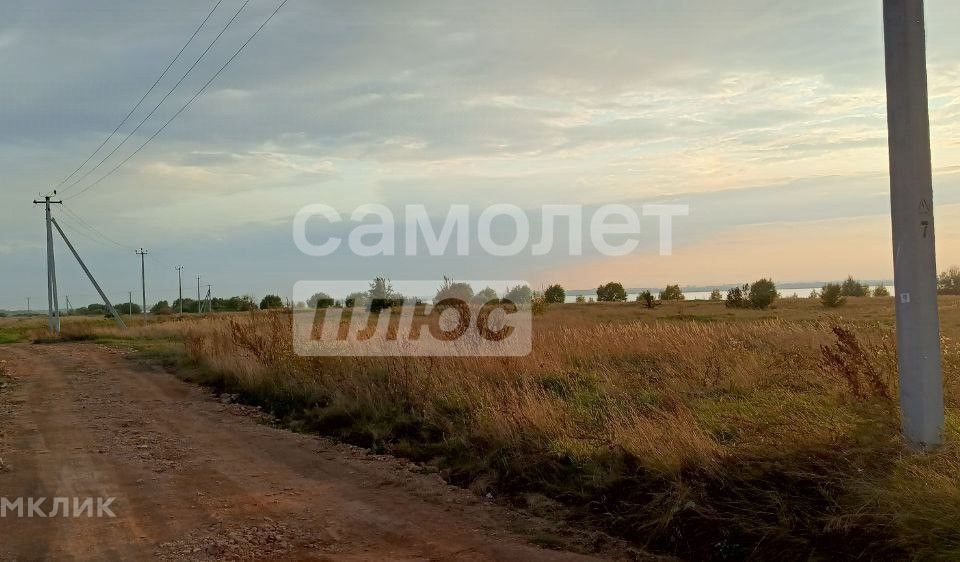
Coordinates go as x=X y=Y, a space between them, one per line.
x=380 y=295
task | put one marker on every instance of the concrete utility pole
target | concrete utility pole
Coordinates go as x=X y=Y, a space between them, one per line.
x=180 y=285
x=143 y=283
x=130 y=304
x=199 y=305
x=83 y=266
x=209 y=300
x=53 y=306
x=69 y=307
x=28 y=305
x=914 y=250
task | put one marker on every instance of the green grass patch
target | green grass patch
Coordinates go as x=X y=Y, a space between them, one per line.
x=12 y=335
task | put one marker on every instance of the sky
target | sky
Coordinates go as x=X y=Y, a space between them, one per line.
x=766 y=117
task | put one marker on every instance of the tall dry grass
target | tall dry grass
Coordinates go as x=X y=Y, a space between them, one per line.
x=719 y=439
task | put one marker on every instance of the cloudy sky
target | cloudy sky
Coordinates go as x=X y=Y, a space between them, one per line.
x=766 y=117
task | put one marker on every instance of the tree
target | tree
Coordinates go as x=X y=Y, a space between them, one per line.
x=320 y=300
x=736 y=299
x=381 y=295
x=832 y=295
x=271 y=302
x=539 y=304
x=242 y=304
x=813 y=294
x=98 y=309
x=948 y=283
x=519 y=295
x=611 y=292
x=162 y=307
x=189 y=305
x=580 y=299
x=355 y=300
x=762 y=293
x=486 y=295
x=881 y=291
x=646 y=297
x=672 y=293
x=853 y=288
x=453 y=290
x=716 y=295
x=555 y=294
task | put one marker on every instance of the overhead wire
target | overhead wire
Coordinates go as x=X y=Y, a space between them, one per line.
x=162 y=100
x=186 y=105
x=74 y=228
x=93 y=229
x=77 y=222
x=143 y=97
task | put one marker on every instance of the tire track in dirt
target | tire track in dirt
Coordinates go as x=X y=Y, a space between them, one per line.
x=200 y=480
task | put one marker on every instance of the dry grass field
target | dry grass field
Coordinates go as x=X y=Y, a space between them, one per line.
x=690 y=429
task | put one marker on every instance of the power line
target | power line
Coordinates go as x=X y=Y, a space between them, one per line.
x=156 y=107
x=82 y=228
x=94 y=230
x=143 y=97
x=186 y=105
x=75 y=228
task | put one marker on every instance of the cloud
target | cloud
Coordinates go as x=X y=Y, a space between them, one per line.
x=751 y=111
x=785 y=251
x=8 y=38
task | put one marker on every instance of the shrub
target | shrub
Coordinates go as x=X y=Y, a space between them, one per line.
x=672 y=293
x=581 y=299
x=948 y=283
x=99 y=309
x=232 y=304
x=736 y=298
x=271 y=302
x=853 y=288
x=647 y=299
x=381 y=295
x=832 y=295
x=611 y=292
x=555 y=294
x=189 y=305
x=716 y=295
x=355 y=299
x=320 y=300
x=539 y=304
x=453 y=290
x=162 y=307
x=881 y=291
x=519 y=295
x=486 y=295
x=762 y=293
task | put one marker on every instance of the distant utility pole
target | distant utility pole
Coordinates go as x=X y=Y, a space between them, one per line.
x=28 y=305
x=69 y=307
x=143 y=282
x=914 y=251
x=130 y=304
x=53 y=307
x=180 y=285
x=209 y=300
x=199 y=306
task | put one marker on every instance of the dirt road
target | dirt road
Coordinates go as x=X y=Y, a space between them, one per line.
x=197 y=479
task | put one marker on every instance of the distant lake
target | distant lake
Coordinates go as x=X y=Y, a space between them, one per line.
x=705 y=295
